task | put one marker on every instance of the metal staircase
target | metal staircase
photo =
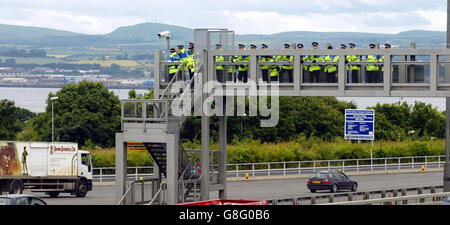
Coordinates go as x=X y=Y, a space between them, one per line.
x=154 y=119
x=156 y=123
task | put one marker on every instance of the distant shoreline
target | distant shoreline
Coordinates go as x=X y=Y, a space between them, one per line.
x=60 y=86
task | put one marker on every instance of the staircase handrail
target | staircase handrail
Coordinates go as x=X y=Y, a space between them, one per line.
x=163 y=186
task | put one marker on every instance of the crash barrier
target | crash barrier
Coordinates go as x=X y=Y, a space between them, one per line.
x=418 y=199
x=389 y=195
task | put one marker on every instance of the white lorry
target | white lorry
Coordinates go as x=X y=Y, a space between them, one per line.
x=47 y=167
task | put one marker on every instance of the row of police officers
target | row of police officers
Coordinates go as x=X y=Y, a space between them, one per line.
x=282 y=73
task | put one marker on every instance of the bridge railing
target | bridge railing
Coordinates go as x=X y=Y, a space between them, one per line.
x=298 y=167
x=414 y=72
x=144 y=111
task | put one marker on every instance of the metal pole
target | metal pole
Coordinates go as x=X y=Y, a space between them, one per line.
x=53 y=126
x=447 y=122
x=371 y=151
x=447 y=146
x=168 y=43
x=448 y=23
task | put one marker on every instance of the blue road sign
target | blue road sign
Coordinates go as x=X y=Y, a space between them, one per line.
x=360 y=124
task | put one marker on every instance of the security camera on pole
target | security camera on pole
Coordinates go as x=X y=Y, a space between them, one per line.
x=167 y=35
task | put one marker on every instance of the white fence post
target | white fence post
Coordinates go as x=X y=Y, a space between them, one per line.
x=439 y=161
x=253 y=169
x=371 y=165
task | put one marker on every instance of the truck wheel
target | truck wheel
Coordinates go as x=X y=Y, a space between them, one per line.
x=82 y=189
x=53 y=194
x=16 y=187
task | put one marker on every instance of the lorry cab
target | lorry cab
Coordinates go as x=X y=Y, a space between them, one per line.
x=85 y=168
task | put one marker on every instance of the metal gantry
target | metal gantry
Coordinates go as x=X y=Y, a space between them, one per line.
x=411 y=73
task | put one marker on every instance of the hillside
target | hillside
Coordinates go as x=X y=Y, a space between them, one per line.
x=145 y=34
x=24 y=34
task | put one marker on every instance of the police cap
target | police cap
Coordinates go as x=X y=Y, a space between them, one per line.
x=387 y=45
x=172 y=50
x=315 y=44
x=330 y=47
x=264 y=46
x=372 y=45
x=218 y=46
x=352 y=45
x=300 y=46
x=241 y=46
x=343 y=46
x=180 y=46
x=287 y=45
x=252 y=46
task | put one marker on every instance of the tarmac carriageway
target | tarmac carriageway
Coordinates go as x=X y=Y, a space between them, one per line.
x=266 y=188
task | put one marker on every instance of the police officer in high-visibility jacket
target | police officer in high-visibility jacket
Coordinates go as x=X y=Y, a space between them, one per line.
x=330 y=69
x=231 y=70
x=354 y=69
x=243 y=69
x=315 y=69
x=265 y=68
x=190 y=60
x=173 y=57
x=286 y=69
x=183 y=56
x=303 y=59
x=372 y=69
x=219 y=68
x=274 y=70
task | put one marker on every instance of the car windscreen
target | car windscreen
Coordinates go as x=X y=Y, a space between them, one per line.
x=5 y=201
x=319 y=176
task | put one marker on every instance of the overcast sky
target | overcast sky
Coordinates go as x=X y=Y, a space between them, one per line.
x=244 y=17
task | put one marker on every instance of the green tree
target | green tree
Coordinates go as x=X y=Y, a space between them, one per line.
x=84 y=111
x=10 y=125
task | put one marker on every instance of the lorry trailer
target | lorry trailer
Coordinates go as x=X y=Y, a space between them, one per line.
x=50 y=167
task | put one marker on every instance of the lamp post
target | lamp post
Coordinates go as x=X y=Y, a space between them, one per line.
x=53 y=126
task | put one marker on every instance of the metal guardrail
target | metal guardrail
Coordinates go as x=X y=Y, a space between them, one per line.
x=348 y=198
x=297 y=167
x=435 y=197
x=129 y=198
